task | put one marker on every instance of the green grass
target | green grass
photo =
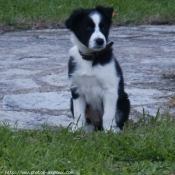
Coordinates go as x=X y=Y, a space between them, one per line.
x=52 y=13
x=144 y=148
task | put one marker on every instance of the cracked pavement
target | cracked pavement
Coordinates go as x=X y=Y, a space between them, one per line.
x=34 y=87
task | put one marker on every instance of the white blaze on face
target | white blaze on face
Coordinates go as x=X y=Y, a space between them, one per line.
x=97 y=34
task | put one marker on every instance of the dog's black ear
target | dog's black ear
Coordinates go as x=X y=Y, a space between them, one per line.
x=106 y=11
x=74 y=18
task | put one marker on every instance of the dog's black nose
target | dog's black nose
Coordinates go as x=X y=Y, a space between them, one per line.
x=99 y=41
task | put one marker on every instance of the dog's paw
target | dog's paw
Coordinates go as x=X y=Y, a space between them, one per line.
x=113 y=129
x=116 y=129
x=88 y=128
x=75 y=127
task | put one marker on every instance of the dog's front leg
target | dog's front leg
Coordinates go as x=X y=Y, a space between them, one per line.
x=79 y=106
x=109 y=103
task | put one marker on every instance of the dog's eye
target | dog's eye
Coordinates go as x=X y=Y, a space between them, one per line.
x=103 y=27
x=88 y=28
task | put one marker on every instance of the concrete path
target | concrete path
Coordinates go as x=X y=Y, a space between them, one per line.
x=34 y=88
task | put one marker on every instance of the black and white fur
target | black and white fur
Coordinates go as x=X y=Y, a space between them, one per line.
x=98 y=97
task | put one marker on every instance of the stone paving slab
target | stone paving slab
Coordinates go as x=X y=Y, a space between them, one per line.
x=46 y=100
x=34 y=87
x=31 y=120
x=12 y=85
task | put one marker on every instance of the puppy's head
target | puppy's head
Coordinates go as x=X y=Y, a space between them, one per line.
x=90 y=27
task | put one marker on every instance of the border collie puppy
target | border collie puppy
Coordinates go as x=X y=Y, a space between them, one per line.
x=97 y=85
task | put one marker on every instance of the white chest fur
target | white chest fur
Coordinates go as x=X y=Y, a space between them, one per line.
x=93 y=81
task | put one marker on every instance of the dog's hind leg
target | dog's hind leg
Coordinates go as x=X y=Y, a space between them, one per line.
x=123 y=109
